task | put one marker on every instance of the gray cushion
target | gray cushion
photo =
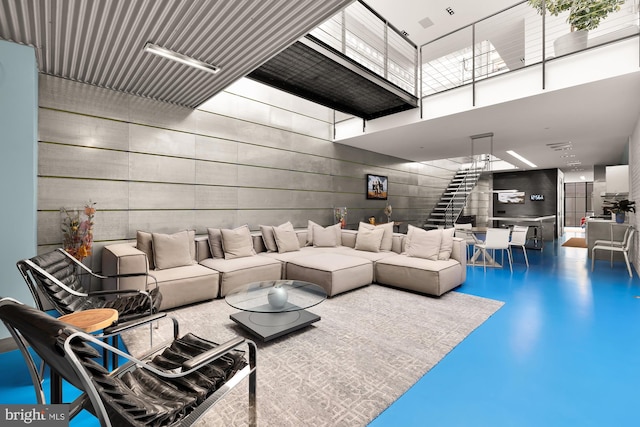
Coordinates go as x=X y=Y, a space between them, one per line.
x=423 y=244
x=144 y=242
x=171 y=250
x=369 y=239
x=387 y=239
x=268 y=238
x=286 y=238
x=325 y=237
x=446 y=244
x=237 y=243
x=215 y=242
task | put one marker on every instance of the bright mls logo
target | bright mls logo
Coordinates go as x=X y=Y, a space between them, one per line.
x=34 y=415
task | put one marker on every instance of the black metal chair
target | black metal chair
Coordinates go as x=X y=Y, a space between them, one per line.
x=172 y=385
x=57 y=276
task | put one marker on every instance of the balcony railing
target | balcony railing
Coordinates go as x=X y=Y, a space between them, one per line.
x=512 y=39
x=365 y=37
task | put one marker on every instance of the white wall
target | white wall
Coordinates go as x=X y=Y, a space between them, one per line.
x=18 y=163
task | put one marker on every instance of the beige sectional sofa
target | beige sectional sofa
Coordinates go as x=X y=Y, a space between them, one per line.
x=349 y=262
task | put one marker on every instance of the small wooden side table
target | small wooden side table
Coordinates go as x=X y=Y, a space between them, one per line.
x=91 y=320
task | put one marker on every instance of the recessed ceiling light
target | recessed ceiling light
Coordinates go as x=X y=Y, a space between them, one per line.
x=178 y=57
x=450 y=11
x=582 y=177
x=522 y=159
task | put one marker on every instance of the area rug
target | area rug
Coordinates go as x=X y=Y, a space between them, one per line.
x=371 y=345
x=576 y=242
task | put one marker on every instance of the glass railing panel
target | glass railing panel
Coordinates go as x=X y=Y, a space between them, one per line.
x=511 y=40
x=401 y=62
x=508 y=41
x=330 y=33
x=365 y=38
x=444 y=61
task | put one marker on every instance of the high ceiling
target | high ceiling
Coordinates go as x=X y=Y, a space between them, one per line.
x=101 y=42
x=597 y=118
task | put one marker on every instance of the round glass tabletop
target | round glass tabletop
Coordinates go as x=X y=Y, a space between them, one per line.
x=276 y=296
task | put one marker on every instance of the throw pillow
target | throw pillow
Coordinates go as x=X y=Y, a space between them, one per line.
x=192 y=244
x=324 y=237
x=215 y=242
x=237 y=243
x=171 y=250
x=369 y=240
x=310 y=225
x=268 y=238
x=446 y=245
x=424 y=244
x=286 y=238
x=387 y=239
x=144 y=243
x=336 y=229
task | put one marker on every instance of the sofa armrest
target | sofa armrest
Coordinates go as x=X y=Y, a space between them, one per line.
x=459 y=253
x=124 y=258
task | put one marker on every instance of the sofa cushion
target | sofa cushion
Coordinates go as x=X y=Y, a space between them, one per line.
x=336 y=229
x=171 y=250
x=419 y=274
x=144 y=242
x=446 y=245
x=186 y=285
x=269 y=239
x=238 y=272
x=387 y=239
x=237 y=243
x=215 y=242
x=369 y=239
x=286 y=238
x=325 y=237
x=336 y=273
x=423 y=244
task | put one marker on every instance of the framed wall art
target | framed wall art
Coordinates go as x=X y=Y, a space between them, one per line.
x=377 y=187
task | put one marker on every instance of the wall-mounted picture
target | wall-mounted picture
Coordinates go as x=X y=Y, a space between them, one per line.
x=377 y=187
x=511 y=197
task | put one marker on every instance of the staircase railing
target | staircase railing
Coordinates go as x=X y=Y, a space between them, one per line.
x=459 y=197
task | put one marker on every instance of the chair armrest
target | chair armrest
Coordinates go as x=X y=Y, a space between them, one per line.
x=210 y=355
x=133 y=324
x=121 y=260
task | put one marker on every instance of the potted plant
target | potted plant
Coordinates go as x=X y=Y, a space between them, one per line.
x=584 y=15
x=621 y=207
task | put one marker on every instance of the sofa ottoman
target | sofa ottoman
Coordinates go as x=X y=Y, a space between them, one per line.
x=238 y=272
x=336 y=273
x=420 y=275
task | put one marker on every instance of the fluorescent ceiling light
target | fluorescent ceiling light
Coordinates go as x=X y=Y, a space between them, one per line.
x=522 y=159
x=178 y=57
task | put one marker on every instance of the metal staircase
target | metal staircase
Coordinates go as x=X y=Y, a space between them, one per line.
x=455 y=196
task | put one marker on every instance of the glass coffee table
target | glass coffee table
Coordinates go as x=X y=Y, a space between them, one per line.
x=274 y=308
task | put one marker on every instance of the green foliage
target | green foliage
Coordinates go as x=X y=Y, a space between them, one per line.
x=583 y=14
x=620 y=206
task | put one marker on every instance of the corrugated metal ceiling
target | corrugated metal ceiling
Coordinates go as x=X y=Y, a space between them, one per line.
x=100 y=42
